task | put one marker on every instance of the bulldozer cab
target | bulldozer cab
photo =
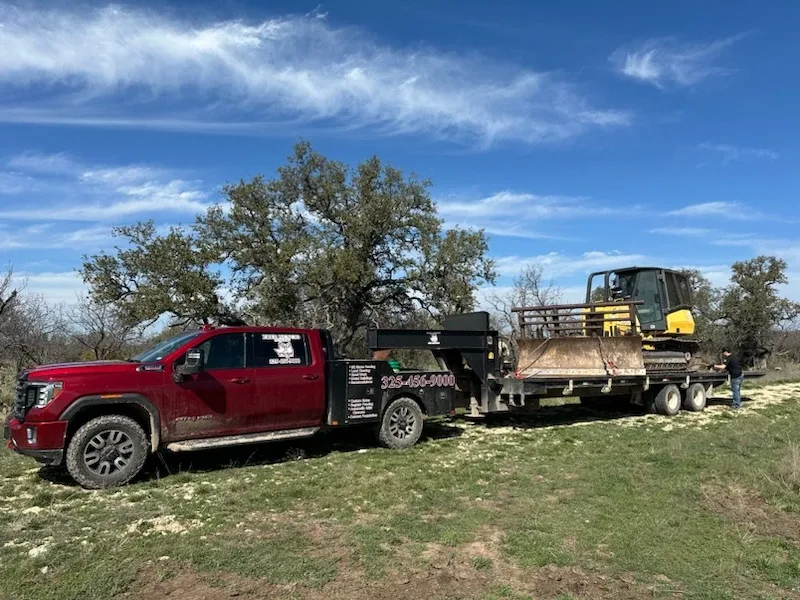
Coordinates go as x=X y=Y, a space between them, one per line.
x=658 y=292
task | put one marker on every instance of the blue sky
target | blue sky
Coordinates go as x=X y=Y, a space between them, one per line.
x=581 y=136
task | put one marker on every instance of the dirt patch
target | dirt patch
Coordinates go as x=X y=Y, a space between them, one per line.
x=188 y=585
x=475 y=569
x=471 y=571
x=748 y=508
x=555 y=582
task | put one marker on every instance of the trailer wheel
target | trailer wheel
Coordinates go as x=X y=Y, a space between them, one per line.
x=401 y=426
x=695 y=399
x=668 y=401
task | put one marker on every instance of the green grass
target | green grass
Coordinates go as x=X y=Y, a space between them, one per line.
x=618 y=506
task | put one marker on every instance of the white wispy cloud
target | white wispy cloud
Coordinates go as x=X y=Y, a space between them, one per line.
x=729 y=210
x=715 y=237
x=684 y=231
x=557 y=264
x=508 y=203
x=669 y=61
x=124 y=64
x=519 y=214
x=56 y=287
x=15 y=183
x=93 y=193
x=46 y=236
x=42 y=163
x=729 y=153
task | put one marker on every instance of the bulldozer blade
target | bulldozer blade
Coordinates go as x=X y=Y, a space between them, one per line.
x=580 y=357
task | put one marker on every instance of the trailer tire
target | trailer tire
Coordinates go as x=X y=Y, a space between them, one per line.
x=111 y=443
x=667 y=401
x=401 y=425
x=695 y=399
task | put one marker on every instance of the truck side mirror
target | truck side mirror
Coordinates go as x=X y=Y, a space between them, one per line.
x=195 y=359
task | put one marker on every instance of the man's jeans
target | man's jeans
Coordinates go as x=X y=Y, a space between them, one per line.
x=736 y=388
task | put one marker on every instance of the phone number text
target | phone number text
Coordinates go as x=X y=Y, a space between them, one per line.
x=418 y=381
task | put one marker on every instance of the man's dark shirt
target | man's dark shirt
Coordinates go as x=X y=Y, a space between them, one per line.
x=733 y=367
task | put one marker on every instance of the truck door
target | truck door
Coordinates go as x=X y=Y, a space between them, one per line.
x=213 y=402
x=289 y=382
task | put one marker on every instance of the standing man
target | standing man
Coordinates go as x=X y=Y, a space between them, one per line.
x=734 y=369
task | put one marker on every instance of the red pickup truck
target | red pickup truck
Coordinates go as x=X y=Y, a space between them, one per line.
x=212 y=388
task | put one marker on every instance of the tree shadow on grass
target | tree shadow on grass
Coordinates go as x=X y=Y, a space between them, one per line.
x=576 y=414
x=568 y=414
x=165 y=464
x=725 y=400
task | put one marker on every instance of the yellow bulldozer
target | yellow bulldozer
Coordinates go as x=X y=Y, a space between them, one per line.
x=635 y=321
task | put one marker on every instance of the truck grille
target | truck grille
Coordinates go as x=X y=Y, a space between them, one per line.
x=24 y=397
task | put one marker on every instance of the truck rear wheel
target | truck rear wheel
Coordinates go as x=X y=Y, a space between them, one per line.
x=401 y=426
x=695 y=399
x=668 y=401
x=106 y=452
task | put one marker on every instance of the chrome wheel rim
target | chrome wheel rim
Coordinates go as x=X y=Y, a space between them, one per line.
x=108 y=452
x=402 y=423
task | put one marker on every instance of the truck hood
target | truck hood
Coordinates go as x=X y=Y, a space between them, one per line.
x=76 y=368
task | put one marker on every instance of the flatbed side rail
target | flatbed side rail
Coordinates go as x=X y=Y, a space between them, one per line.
x=591 y=319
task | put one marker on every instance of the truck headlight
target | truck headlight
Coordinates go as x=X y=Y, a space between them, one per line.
x=48 y=393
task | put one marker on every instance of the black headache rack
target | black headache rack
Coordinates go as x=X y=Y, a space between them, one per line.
x=465 y=346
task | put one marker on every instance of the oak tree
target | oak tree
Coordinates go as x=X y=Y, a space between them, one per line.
x=321 y=244
x=753 y=306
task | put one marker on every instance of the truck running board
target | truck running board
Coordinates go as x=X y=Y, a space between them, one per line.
x=236 y=440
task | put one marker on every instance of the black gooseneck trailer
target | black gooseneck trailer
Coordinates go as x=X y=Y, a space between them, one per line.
x=487 y=383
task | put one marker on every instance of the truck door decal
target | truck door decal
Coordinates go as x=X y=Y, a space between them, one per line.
x=284 y=348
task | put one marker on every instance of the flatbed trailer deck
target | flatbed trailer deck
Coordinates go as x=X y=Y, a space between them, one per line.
x=526 y=393
x=486 y=384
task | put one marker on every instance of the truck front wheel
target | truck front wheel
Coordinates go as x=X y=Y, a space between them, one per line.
x=107 y=451
x=401 y=426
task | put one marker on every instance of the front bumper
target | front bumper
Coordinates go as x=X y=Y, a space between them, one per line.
x=47 y=445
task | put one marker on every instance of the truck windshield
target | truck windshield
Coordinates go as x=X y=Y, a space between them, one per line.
x=161 y=349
